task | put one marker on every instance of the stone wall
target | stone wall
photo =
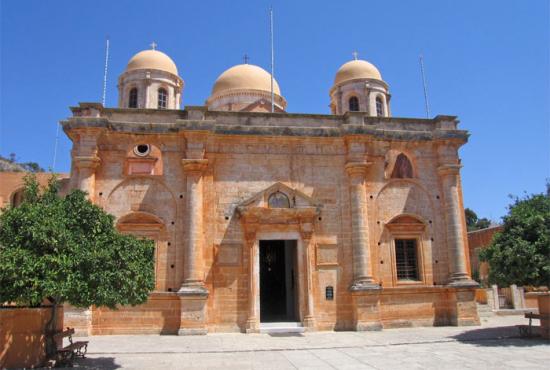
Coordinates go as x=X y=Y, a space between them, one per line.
x=207 y=209
x=11 y=182
x=22 y=335
x=160 y=315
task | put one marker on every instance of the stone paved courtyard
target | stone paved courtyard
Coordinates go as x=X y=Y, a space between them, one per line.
x=493 y=345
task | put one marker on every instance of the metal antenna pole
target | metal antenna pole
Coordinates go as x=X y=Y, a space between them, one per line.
x=425 y=84
x=55 y=149
x=105 y=73
x=272 y=57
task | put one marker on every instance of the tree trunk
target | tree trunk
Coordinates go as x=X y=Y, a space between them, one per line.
x=51 y=345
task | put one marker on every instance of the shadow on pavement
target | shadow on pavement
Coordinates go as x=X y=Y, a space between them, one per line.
x=285 y=335
x=501 y=336
x=96 y=363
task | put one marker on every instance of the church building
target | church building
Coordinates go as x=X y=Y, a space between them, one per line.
x=352 y=220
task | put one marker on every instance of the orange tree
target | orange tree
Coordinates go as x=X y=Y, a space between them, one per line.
x=66 y=249
x=520 y=254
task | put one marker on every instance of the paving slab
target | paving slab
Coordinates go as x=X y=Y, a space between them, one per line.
x=493 y=345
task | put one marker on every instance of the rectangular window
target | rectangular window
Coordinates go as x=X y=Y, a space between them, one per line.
x=406 y=259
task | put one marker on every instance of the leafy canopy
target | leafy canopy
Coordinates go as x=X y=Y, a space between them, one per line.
x=473 y=222
x=520 y=254
x=67 y=249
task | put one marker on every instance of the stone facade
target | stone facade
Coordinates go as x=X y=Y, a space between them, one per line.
x=12 y=183
x=202 y=191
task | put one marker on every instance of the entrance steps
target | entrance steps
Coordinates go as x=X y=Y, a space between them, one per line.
x=281 y=327
x=485 y=310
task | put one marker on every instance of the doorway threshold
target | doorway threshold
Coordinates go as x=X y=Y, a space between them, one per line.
x=281 y=327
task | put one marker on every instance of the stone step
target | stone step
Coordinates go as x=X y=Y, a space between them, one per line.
x=485 y=310
x=281 y=327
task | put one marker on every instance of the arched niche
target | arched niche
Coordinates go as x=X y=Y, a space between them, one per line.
x=16 y=197
x=403 y=196
x=399 y=164
x=150 y=226
x=142 y=194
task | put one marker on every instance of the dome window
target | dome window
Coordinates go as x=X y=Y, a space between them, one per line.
x=133 y=98
x=142 y=150
x=162 y=99
x=354 y=104
x=379 y=107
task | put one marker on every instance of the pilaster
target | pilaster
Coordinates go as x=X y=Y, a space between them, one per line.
x=449 y=176
x=362 y=270
x=306 y=231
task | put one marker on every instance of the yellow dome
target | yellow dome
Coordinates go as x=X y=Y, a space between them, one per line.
x=356 y=69
x=245 y=77
x=152 y=59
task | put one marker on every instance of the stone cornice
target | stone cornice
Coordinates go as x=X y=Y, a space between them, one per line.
x=194 y=165
x=86 y=161
x=357 y=168
x=449 y=169
x=151 y=121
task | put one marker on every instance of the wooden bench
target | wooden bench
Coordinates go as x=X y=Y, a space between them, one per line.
x=66 y=355
x=527 y=330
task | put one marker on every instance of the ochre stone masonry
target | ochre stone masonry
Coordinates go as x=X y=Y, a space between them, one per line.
x=208 y=184
x=208 y=213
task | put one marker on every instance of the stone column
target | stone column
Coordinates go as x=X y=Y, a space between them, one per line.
x=85 y=171
x=193 y=294
x=192 y=274
x=362 y=270
x=455 y=230
x=253 y=320
x=307 y=232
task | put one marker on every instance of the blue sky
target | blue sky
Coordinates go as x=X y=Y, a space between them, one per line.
x=486 y=61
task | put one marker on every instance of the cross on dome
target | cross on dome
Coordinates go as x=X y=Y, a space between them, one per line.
x=246 y=58
x=153 y=45
x=355 y=54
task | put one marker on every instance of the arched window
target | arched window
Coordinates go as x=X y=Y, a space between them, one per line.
x=278 y=200
x=379 y=107
x=354 y=104
x=162 y=98
x=133 y=98
x=403 y=168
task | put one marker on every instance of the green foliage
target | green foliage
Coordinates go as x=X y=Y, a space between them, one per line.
x=473 y=222
x=32 y=167
x=67 y=249
x=520 y=254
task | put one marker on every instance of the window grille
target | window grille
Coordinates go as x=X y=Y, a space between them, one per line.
x=162 y=99
x=278 y=200
x=379 y=107
x=406 y=259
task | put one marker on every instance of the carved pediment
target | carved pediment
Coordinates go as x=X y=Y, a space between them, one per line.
x=279 y=203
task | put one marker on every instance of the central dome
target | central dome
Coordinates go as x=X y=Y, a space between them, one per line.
x=357 y=69
x=245 y=77
x=152 y=59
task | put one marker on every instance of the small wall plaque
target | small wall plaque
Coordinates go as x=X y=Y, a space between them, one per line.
x=329 y=293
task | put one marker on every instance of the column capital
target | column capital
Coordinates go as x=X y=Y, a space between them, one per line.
x=357 y=168
x=449 y=169
x=86 y=161
x=306 y=230
x=194 y=165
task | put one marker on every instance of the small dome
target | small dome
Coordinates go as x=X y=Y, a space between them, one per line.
x=357 y=69
x=152 y=59
x=245 y=77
